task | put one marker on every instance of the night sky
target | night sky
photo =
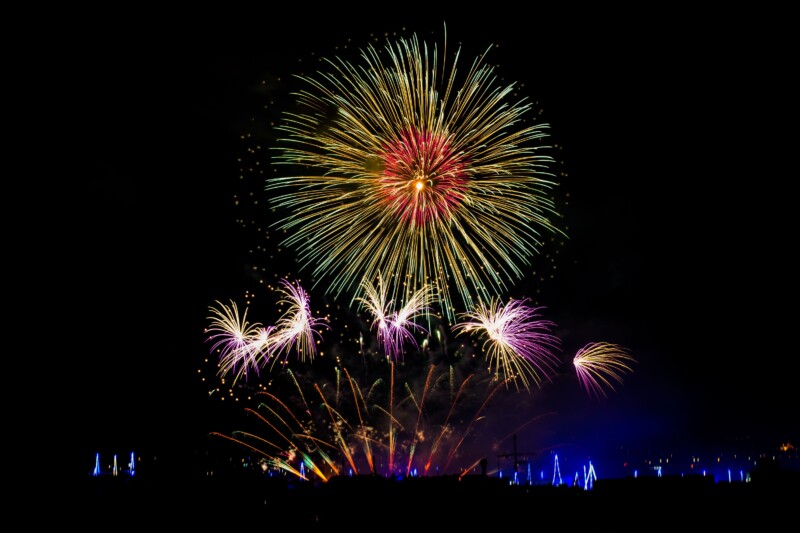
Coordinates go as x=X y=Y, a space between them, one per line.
x=673 y=138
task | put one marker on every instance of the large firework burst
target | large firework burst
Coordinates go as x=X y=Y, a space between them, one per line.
x=400 y=166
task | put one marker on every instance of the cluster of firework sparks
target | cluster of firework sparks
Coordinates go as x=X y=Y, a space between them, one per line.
x=400 y=166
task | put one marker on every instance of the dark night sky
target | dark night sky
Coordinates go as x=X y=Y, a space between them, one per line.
x=674 y=137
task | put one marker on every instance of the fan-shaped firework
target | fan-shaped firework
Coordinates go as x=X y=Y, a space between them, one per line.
x=297 y=326
x=240 y=343
x=598 y=364
x=244 y=347
x=400 y=166
x=376 y=301
x=518 y=343
x=394 y=328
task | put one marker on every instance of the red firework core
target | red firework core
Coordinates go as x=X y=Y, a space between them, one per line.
x=422 y=178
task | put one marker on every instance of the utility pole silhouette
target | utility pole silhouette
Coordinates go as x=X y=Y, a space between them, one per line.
x=518 y=457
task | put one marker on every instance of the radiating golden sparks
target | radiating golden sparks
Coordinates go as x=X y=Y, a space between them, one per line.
x=600 y=364
x=402 y=165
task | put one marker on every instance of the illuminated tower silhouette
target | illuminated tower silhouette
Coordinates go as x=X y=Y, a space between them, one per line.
x=557 y=473
x=589 y=478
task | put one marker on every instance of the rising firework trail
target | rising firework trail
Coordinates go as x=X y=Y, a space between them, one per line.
x=374 y=430
x=402 y=164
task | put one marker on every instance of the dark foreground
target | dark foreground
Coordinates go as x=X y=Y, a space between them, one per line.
x=633 y=504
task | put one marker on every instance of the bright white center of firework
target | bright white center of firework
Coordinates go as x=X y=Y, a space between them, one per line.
x=419 y=185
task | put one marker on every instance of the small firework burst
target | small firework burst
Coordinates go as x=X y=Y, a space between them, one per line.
x=600 y=364
x=518 y=342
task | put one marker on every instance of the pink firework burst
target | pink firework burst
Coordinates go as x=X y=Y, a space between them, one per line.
x=297 y=328
x=376 y=301
x=394 y=328
x=241 y=345
x=518 y=343
x=403 y=322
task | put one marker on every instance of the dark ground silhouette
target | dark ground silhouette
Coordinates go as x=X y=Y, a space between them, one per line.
x=237 y=500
